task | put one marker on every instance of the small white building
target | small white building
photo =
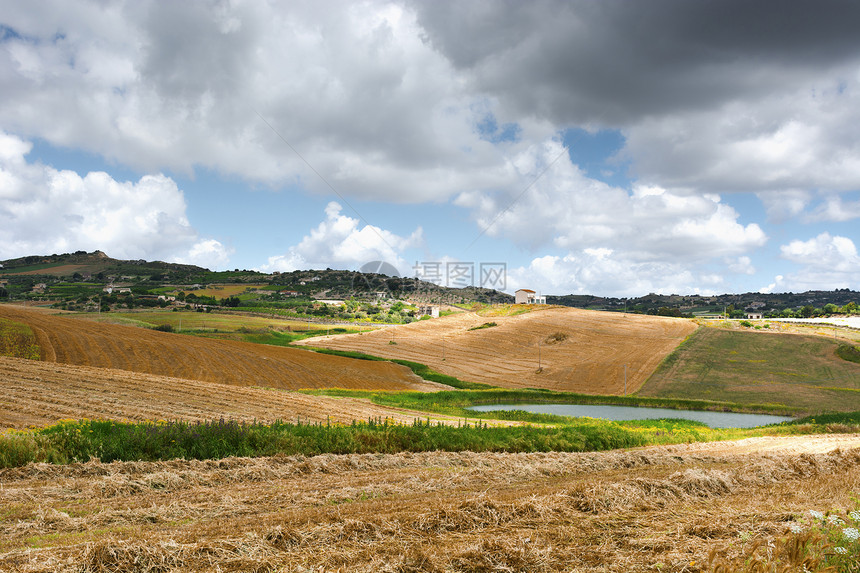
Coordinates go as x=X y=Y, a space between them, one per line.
x=528 y=296
x=754 y=316
x=428 y=310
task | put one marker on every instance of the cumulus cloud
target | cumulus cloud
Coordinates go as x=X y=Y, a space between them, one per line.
x=577 y=213
x=711 y=96
x=609 y=273
x=775 y=286
x=406 y=101
x=826 y=262
x=341 y=242
x=353 y=88
x=45 y=210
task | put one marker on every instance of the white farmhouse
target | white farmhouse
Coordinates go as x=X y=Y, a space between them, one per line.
x=528 y=296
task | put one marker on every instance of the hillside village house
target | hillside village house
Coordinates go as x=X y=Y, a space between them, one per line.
x=754 y=316
x=428 y=310
x=528 y=296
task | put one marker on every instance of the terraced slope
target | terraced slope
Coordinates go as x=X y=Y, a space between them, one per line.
x=85 y=343
x=550 y=347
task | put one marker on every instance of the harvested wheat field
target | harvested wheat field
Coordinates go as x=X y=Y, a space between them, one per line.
x=42 y=393
x=85 y=343
x=655 y=509
x=578 y=350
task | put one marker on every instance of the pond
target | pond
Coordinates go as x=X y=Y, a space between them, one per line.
x=712 y=419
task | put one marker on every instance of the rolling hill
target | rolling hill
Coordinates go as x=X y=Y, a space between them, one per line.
x=548 y=347
x=85 y=343
x=39 y=393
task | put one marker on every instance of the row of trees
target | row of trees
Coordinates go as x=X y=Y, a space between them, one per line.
x=807 y=311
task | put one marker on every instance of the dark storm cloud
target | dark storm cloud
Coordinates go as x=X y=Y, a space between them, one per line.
x=612 y=61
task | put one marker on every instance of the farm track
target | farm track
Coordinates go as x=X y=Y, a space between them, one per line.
x=591 y=359
x=436 y=512
x=41 y=393
x=85 y=343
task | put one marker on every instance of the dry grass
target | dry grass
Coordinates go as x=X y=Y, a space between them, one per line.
x=85 y=343
x=658 y=509
x=580 y=350
x=40 y=393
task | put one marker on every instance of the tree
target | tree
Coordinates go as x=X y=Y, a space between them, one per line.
x=806 y=311
x=850 y=308
x=830 y=308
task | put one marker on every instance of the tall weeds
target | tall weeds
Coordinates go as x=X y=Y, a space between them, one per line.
x=71 y=441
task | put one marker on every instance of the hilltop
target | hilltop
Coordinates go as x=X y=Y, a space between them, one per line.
x=82 y=277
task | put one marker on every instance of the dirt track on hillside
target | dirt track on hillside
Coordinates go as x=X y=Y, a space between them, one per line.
x=612 y=511
x=591 y=359
x=86 y=343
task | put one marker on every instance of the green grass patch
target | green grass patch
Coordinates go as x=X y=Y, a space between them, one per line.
x=749 y=367
x=81 y=441
x=18 y=340
x=485 y=325
x=110 y=441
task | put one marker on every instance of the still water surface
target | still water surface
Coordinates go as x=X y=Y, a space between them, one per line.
x=712 y=419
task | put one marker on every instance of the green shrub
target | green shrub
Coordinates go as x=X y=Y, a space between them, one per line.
x=849 y=353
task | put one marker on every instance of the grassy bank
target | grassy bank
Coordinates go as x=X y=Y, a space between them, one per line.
x=107 y=440
x=455 y=402
x=79 y=441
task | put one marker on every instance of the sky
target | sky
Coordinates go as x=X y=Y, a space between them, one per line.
x=612 y=148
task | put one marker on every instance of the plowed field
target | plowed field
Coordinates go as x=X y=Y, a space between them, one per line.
x=588 y=353
x=41 y=393
x=656 y=509
x=85 y=343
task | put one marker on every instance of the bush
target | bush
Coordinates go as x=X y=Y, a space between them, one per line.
x=555 y=338
x=163 y=328
x=849 y=353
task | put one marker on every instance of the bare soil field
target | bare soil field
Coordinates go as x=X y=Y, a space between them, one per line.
x=550 y=347
x=653 y=509
x=85 y=343
x=41 y=393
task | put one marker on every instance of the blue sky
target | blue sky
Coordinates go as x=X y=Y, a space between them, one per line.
x=607 y=148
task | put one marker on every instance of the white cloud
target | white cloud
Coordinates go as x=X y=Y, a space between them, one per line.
x=834 y=208
x=354 y=88
x=341 y=242
x=775 y=286
x=576 y=213
x=44 y=210
x=826 y=262
x=741 y=266
x=599 y=271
